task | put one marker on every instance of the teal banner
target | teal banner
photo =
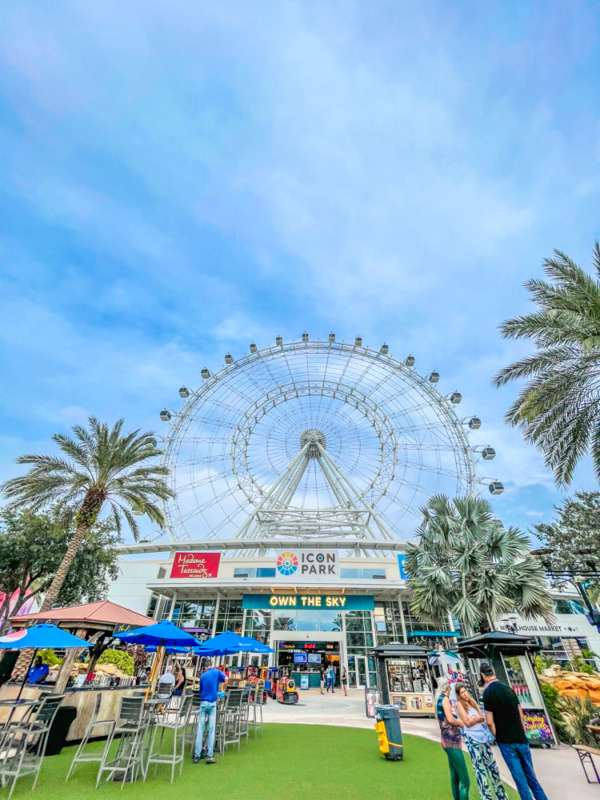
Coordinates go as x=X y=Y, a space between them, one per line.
x=325 y=602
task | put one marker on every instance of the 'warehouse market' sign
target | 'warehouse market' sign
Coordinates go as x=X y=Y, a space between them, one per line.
x=309 y=602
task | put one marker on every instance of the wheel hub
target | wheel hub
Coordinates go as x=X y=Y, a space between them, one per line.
x=312 y=437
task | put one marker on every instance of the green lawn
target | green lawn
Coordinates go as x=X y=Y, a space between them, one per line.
x=299 y=762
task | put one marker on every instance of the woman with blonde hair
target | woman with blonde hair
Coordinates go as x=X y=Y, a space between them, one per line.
x=478 y=738
x=451 y=742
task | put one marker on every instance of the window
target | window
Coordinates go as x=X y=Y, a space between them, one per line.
x=244 y=572
x=369 y=574
x=565 y=606
x=254 y=572
x=230 y=616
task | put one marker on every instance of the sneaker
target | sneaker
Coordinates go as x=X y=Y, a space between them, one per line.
x=196 y=759
x=210 y=760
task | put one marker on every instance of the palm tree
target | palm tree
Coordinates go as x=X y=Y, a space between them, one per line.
x=467 y=563
x=558 y=409
x=102 y=466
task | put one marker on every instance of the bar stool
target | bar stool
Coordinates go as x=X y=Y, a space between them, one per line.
x=245 y=710
x=230 y=733
x=132 y=724
x=257 y=707
x=24 y=745
x=81 y=756
x=176 y=722
x=191 y=725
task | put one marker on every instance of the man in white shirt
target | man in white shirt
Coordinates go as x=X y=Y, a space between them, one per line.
x=166 y=677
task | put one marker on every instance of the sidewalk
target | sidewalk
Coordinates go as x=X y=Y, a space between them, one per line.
x=558 y=770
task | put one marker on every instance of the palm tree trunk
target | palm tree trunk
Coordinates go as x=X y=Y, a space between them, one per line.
x=87 y=515
x=65 y=564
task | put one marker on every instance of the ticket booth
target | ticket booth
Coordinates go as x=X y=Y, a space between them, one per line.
x=404 y=679
x=511 y=656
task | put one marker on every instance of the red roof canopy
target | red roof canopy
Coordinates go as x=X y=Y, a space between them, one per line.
x=103 y=613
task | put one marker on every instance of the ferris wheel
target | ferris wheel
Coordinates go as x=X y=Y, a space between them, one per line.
x=316 y=440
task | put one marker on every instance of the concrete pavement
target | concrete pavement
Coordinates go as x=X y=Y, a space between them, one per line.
x=558 y=770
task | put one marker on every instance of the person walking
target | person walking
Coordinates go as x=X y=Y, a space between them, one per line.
x=210 y=680
x=322 y=679
x=477 y=738
x=331 y=680
x=505 y=720
x=450 y=727
x=345 y=681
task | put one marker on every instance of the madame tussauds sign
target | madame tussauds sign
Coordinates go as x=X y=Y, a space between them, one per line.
x=195 y=565
x=291 y=565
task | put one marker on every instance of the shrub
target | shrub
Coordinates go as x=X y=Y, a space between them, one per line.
x=580 y=665
x=119 y=658
x=579 y=712
x=553 y=704
x=543 y=662
x=49 y=657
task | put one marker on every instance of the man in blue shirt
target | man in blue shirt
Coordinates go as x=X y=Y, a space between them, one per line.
x=37 y=674
x=210 y=681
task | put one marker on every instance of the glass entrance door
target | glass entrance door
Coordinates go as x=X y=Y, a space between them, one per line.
x=358 y=674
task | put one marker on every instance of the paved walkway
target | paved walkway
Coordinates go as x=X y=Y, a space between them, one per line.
x=558 y=769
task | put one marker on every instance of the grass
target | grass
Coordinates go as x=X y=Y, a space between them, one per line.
x=289 y=762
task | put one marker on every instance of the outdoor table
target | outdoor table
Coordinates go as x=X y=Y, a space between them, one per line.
x=13 y=705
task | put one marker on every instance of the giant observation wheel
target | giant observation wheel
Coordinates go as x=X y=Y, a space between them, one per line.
x=316 y=439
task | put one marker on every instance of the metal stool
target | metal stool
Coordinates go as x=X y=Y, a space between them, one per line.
x=132 y=724
x=230 y=733
x=178 y=725
x=24 y=743
x=191 y=725
x=80 y=756
x=245 y=710
x=257 y=706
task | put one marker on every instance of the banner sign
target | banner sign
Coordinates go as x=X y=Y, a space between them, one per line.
x=309 y=601
x=537 y=727
x=195 y=565
x=401 y=560
x=293 y=564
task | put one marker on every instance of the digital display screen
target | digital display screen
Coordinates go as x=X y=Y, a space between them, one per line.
x=314 y=658
x=299 y=658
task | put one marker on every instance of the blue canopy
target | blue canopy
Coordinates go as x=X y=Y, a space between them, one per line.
x=225 y=644
x=161 y=634
x=39 y=637
x=256 y=646
x=171 y=651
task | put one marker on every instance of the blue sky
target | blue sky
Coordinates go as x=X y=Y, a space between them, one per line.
x=179 y=179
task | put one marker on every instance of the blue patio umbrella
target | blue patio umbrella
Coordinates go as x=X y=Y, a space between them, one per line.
x=40 y=637
x=224 y=644
x=161 y=634
x=256 y=646
x=171 y=651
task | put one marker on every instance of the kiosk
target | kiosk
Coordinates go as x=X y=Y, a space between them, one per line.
x=404 y=679
x=511 y=657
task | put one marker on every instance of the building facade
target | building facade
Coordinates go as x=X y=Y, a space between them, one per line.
x=313 y=602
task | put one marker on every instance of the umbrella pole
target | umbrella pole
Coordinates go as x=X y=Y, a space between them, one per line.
x=160 y=650
x=27 y=674
x=152 y=680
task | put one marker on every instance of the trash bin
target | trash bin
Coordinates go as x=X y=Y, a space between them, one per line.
x=60 y=729
x=389 y=733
